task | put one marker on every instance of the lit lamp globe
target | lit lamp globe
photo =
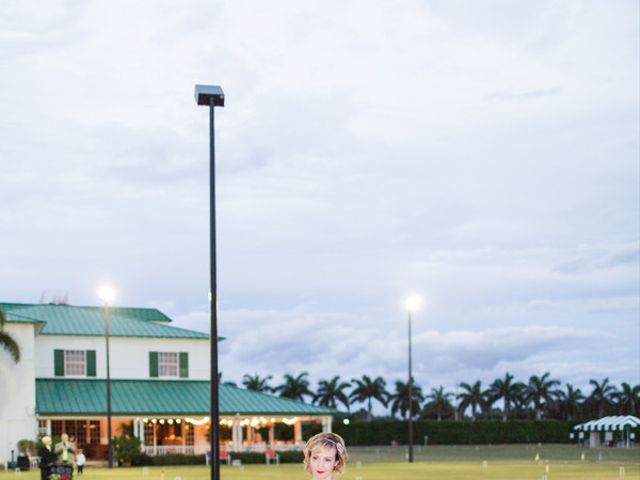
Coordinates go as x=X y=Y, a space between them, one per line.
x=413 y=303
x=107 y=294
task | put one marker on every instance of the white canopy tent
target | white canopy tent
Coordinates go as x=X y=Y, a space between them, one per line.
x=609 y=424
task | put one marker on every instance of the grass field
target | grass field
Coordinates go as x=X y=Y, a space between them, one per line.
x=501 y=462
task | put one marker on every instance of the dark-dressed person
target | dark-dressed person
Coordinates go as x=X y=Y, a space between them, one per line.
x=47 y=458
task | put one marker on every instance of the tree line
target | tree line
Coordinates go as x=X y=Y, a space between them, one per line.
x=541 y=397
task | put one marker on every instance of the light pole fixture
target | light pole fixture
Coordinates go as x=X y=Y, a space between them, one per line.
x=107 y=295
x=412 y=303
x=213 y=96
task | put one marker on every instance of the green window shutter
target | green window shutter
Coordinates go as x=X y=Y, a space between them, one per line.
x=58 y=363
x=184 y=365
x=153 y=364
x=91 y=363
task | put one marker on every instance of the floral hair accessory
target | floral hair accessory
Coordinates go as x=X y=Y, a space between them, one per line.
x=338 y=445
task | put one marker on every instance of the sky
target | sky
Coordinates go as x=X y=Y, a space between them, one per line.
x=483 y=155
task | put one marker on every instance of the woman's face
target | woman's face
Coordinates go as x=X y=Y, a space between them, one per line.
x=322 y=462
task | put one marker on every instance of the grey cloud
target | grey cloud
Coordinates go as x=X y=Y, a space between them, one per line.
x=281 y=342
x=357 y=161
x=528 y=95
x=599 y=260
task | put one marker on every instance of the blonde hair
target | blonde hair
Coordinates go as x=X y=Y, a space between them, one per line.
x=327 y=440
x=46 y=440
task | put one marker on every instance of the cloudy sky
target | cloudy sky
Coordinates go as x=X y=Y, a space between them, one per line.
x=484 y=155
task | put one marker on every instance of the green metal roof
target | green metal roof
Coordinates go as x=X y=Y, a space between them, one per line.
x=89 y=321
x=147 y=314
x=159 y=397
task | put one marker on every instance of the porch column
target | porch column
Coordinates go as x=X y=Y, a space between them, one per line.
x=326 y=424
x=49 y=428
x=138 y=431
x=272 y=434
x=297 y=432
x=155 y=439
x=236 y=435
x=141 y=426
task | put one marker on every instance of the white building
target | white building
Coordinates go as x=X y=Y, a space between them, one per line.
x=159 y=385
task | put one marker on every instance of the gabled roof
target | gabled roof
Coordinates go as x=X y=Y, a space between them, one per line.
x=148 y=314
x=90 y=321
x=159 y=397
x=614 y=422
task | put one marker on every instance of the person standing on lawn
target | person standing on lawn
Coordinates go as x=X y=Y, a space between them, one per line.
x=80 y=461
x=47 y=457
x=65 y=451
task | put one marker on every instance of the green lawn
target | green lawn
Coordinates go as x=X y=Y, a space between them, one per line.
x=508 y=462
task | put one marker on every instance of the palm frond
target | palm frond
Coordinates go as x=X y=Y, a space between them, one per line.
x=10 y=345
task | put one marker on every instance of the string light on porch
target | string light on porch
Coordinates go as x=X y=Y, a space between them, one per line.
x=193 y=421
x=289 y=421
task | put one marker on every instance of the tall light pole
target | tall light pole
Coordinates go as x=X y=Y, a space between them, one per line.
x=213 y=96
x=107 y=295
x=412 y=303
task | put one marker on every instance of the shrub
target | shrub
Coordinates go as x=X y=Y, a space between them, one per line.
x=126 y=449
x=25 y=445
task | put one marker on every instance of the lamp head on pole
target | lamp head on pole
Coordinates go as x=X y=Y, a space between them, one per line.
x=205 y=93
x=413 y=303
x=107 y=294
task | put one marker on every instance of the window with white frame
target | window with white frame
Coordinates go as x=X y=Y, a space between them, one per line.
x=168 y=364
x=75 y=362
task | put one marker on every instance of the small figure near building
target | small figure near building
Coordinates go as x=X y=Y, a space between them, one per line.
x=80 y=461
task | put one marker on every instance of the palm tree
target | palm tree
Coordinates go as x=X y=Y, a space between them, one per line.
x=330 y=392
x=228 y=383
x=294 y=388
x=439 y=404
x=508 y=390
x=367 y=390
x=473 y=397
x=571 y=400
x=400 y=399
x=628 y=399
x=540 y=392
x=7 y=341
x=257 y=384
x=602 y=394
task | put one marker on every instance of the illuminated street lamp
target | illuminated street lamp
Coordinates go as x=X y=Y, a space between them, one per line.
x=213 y=96
x=412 y=304
x=107 y=295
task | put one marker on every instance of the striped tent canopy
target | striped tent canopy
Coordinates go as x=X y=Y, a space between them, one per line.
x=615 y=422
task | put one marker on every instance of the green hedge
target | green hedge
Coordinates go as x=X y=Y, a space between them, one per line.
x=244 y=457
x=385 y=432
x=248 y=457
x=258 y=457
x=291 y=457
x=170 y=459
